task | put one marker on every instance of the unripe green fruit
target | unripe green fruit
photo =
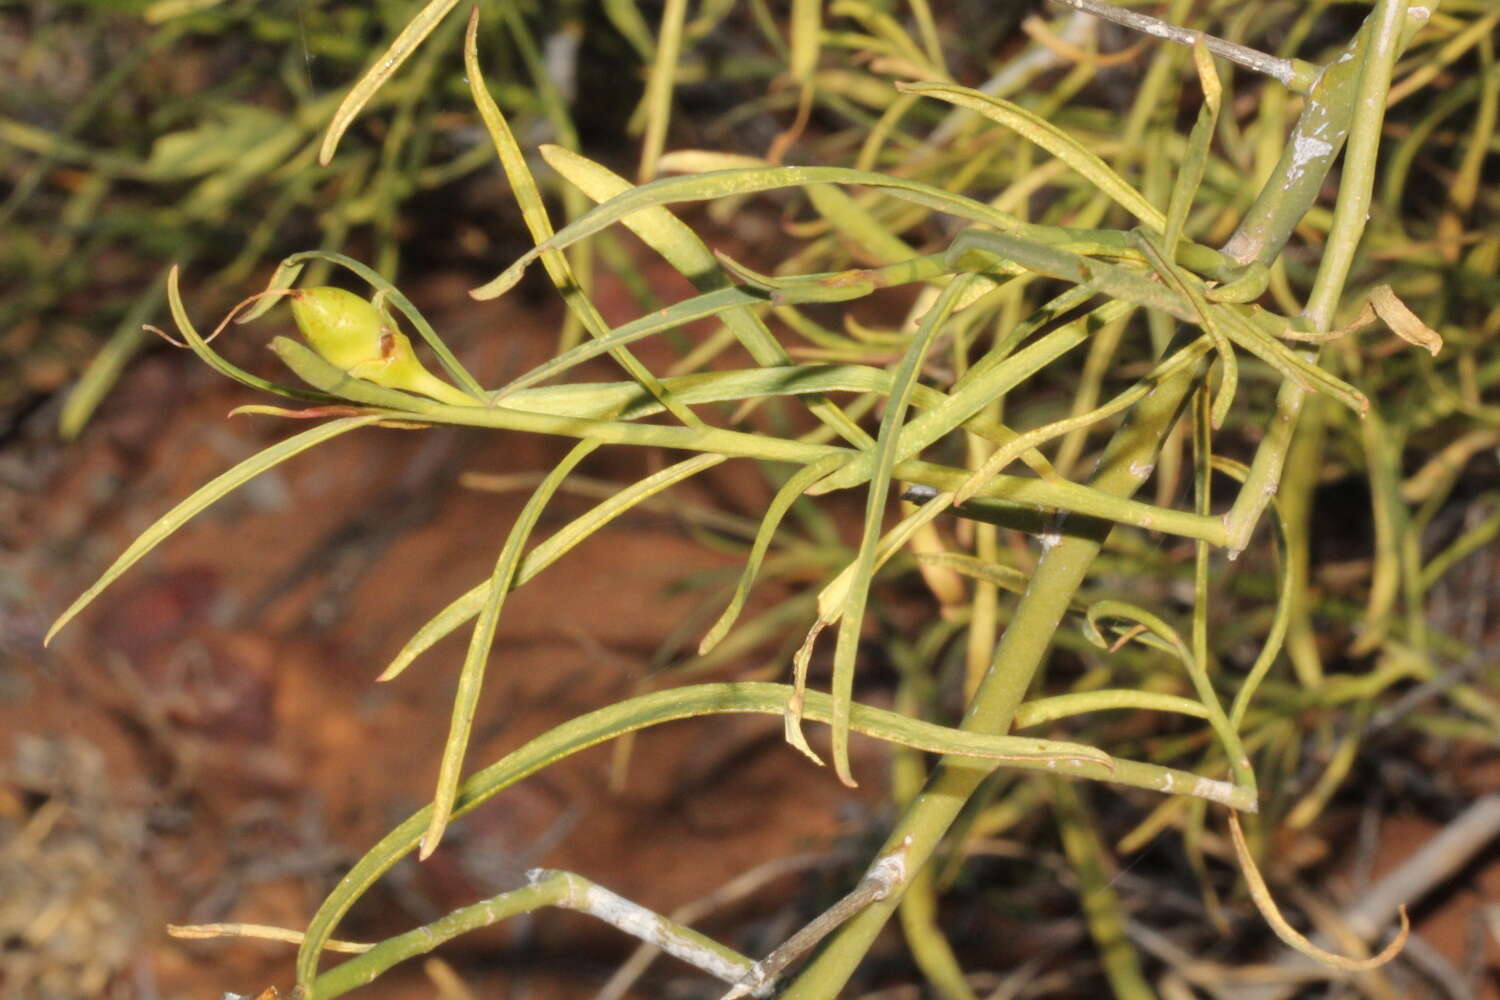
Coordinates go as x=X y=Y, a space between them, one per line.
x=351 y=334
x=342 y=327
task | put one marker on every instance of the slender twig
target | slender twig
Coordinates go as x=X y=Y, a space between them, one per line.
x=565 y=890
x=888 y=874
x=1297 y=74
x=738 y=888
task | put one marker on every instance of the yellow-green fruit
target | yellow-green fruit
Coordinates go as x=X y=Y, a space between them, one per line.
x=351 y=334
x=339 y=325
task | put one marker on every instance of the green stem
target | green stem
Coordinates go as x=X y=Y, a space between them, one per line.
x=1381 y=37
x=1338 y=107
x=1017 y=660
x=1357 y=183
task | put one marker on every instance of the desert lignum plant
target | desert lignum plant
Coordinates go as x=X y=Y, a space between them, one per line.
x=1198 y=257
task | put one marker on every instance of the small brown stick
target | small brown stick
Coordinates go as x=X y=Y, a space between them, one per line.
x=885 y=876
x=732 y=891
x=210 y=932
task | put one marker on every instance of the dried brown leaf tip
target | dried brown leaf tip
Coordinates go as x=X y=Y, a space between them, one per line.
x=1403 y=322
x=1261 y=895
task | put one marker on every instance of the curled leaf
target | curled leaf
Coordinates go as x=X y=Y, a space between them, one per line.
x=1403 y=322
x=792 y=714
x=212 y=932
x=1289 y=934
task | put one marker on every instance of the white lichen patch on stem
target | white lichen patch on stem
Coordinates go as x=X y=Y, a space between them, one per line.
x=1214 y=790
x=889 y=870
x=1305 y=150
x=645 y=924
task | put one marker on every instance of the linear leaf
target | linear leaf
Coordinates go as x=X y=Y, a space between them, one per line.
x=725 y=183
x=201 y=499
x=415 y=32
x=1195 y=160
x=534 y=213
x=471 y=679
x=884 y=457
x=709 y=304
x=554 y=548
x=989 y=379
x=1051 y=138
x=683 y=249
x=627 y=401
x=787 y=495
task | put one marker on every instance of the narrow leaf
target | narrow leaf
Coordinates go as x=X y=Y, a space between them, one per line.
x=1195 y=159
x=683 y=249
x=726 y=183
x=466 y=699
x=201 y=499
x=554 y=548
x=880 y=481
x=1051 y=138
x=787 y=495
x=534 y=213
x=415 y=32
